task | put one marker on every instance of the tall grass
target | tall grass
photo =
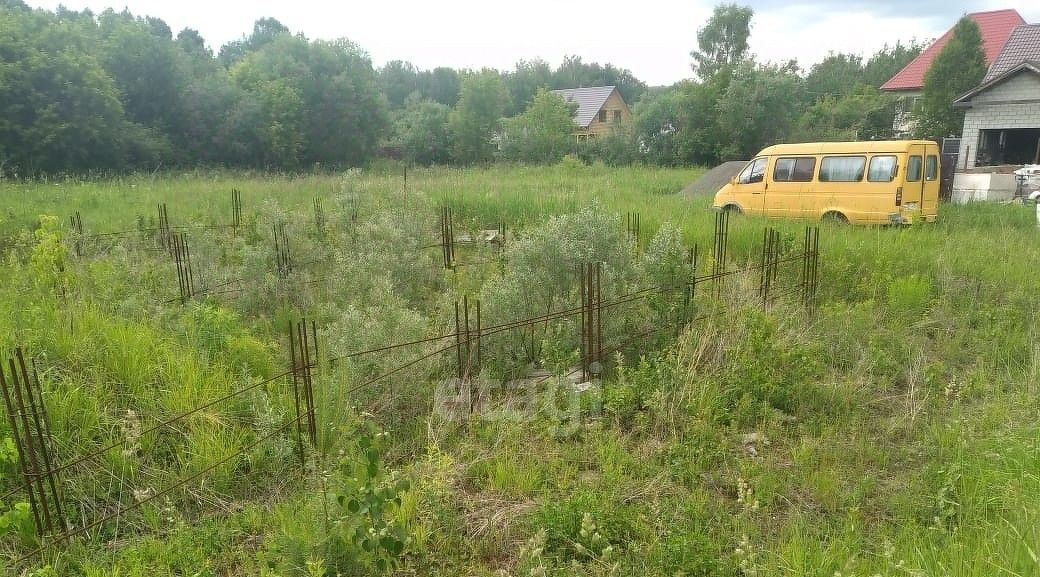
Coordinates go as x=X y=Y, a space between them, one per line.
x=893 y=433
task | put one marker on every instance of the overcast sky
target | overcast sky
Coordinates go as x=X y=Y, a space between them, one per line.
x=652 y=38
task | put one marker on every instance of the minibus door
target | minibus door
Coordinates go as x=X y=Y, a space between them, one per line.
x=932 y=178
x=750 y=184
x=785 y=188
x=913 y=187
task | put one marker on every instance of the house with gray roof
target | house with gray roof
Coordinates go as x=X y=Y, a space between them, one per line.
x=599 y=110
x=1002 y=115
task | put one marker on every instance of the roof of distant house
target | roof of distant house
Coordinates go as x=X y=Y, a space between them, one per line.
x=589 y=100
x=996 y=28
x=1022 y=46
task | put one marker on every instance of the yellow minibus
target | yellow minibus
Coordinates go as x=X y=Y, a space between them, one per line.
x=858 y=182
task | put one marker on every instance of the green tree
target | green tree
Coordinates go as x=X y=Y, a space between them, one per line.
x=543 y=133
x=865 y=114
x=482 y=102
x=618 y=148
x=759 y=108
x=959 y=67
x=346 y=113
x=59 y=110
x=722 y=42
x=657 y=124
x=209 y=131
x=699 y=136
x=423 y=132
x=680 y=124
x=149 y=69
x=319 y=102
x=845 y=101
x=194 y=45
x=265 y=30
x=575 y=73
x=277 y=122
x=398 y=80
x=525 y=81
x=835 y=76
x=442 y=85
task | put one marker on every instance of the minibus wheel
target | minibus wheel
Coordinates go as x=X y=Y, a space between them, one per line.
x=733 y=209
x=835 y=217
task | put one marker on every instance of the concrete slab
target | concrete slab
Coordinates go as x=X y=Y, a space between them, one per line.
x=982 y=187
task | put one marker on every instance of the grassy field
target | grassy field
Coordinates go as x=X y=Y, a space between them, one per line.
x=894 y=432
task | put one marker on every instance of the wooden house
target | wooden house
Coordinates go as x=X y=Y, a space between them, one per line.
x=600 y=110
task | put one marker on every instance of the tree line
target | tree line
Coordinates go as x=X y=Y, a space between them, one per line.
x=82 y=92
x=734 y=106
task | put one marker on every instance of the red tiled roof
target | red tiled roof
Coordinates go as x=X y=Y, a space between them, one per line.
x=996 y=27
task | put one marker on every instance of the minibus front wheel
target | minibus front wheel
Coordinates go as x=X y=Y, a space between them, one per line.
x=835 y=217
x=733 y=209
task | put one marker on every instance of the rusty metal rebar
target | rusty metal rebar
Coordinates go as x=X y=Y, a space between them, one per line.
x=21 y=444
x=810 y=267
x=769 y=264
x=283 y=253
x=319 y=215
x=632 y=228
x=447 y=238
x=76 y=223
x=236 y=209
x=38 y=411
x=119 y=511
x=185 y=270
x=30 y=429
x=165 y=230
x=690 y=287
x=295 y=381
x=720 y=250
x=591 y=319
x=308 y=378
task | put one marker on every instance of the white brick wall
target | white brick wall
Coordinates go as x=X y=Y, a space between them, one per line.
x=1025 y=85
x=990 y=111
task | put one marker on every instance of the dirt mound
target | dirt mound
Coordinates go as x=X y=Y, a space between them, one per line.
x=710 y=182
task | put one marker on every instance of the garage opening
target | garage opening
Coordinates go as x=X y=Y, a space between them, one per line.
x=1008 y=146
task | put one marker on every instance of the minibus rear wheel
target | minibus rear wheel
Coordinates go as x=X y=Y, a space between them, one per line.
x=835 y=217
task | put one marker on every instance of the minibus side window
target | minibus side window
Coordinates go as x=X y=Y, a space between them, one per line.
x=804 y=168
x=931 y=167
x=755 y=172
x=913 y=169
x=784 y=170
x=882 y=168
x=794 y=169
x=842 y=168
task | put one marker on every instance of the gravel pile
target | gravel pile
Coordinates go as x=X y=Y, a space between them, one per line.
x=710 y=182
